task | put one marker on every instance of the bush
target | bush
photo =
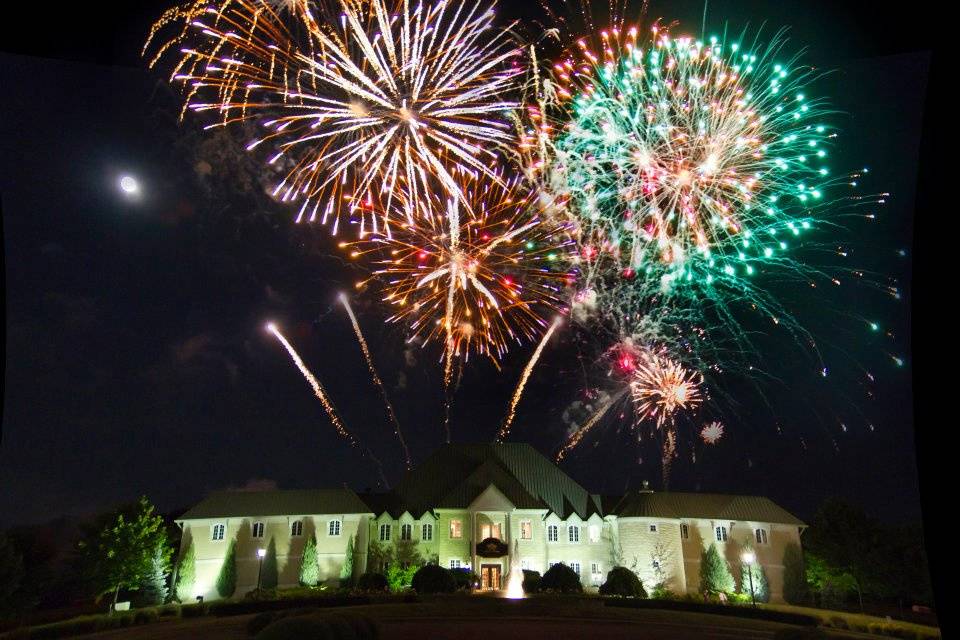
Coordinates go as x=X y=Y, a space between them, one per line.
x=794 y=578
x=433 y=578
x=622 y=582
x=194 y=610
x=561 y=578
x=372 y=581
x=531 y=581
x=169 y=611
x=146 y=616
x=464 y=577
x=715 y=576
x=261 y=594
x=399 y=578
x=660 y=592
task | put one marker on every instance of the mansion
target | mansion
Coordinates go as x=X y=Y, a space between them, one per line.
x=483 y=507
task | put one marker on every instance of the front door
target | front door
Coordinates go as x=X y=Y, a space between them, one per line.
x=490 y=577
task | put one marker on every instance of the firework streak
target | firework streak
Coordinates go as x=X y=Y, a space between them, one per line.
x=505 y=429
x=578 y=435
x=376 y=377
x=321 y=394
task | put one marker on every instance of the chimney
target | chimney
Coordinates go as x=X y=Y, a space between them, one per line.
x=646 y=487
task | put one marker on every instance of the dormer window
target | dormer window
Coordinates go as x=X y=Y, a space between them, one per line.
x=384 y=533
x=552 y=532
x=217 y=531
x=573 y=533
x=406 y=532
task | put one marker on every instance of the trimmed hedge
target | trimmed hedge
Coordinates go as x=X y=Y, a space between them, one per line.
x=531 y=581
x=622 y=582
x=433 y=578
x=371 y=581
x=561 y=578
x=241 y=607
x=724 y=610
x=465 y=578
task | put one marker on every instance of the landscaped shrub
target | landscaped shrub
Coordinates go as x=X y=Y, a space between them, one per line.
x=372 y=581
x=464 y=577
x=531 y=581
x=660 y=592
x=433 y=578
x=623 y=582
x=561 y=578
x=399 y=578
x=715 y=576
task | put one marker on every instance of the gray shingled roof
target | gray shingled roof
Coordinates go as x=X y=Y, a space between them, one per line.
x=453 y=475
x=643 y=504
x=224 y=504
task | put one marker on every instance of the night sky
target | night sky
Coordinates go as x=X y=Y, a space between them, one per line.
x=136 y=357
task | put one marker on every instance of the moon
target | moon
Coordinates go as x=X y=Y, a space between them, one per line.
x=129 y=185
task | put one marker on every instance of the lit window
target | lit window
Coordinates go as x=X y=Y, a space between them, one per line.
x=406 y=531
x=385 y=533
x=684 y=532
x=573 y=533
x=455 y=564
x=456 y=529
x=218 y=532
x=490 y=531
x=653 y=528
x=257 y=529
x=594 y=533
x=427 y=533
x=296 y=528
x=552 y=533
x=526 y=530
x=333 y=528
x=721 y=534
x=761 y=535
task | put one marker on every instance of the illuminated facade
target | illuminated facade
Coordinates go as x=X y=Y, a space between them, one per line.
x=483 y=507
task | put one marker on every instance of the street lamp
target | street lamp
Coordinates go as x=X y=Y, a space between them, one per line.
x=260 y=554
x=749 y=557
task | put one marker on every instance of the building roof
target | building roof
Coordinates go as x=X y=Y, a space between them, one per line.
x=648 y=504
x=454 y=475
x=226 y=504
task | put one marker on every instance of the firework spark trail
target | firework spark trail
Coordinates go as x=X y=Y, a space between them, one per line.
x=505 y=429
x=575 y=439
x=321 y=394
x=376 y=378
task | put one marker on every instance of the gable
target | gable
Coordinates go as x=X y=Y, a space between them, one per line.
x=492 y=499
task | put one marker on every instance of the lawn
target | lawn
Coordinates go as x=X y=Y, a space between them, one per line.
x=862 y=622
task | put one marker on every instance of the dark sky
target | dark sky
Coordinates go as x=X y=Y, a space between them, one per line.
x=137 y=361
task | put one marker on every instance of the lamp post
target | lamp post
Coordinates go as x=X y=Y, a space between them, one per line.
x=749 y=557
x=260 y=554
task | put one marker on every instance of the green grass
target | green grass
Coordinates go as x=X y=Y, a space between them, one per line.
x=863 y=623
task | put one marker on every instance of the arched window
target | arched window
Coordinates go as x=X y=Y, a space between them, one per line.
x=217 y=531
x=296 y=528
x=257 y=530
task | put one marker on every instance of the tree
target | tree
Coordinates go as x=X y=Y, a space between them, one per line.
x=346 y=571
x=794 y=575
x=155 y=587
x=11 y=571
x=849 y=542
x=120 y=555
x=715 y=576
x=268 y=572
x=186 y=573
x=227 y=578
x=309 y=574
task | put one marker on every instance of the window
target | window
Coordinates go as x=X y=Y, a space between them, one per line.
x=761 y=536
x=552 y=532
x=490 y=531
x=218 y=531
x=653 y=528
x=576 y=567
x=384 y=533
x=595 y=569
x=406 y=531
x=573 y=534
x=684 y=532
x=427 y=533
x=455 y=564
x=594 y=533
x=257 y=530
x=333 y=529
x=721 y=534
x=456 y=529
x=296 y=528
x=526 y=530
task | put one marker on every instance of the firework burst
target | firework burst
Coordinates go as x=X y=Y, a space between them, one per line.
x=659 y=386
x=361 y=100
x=711 y=432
